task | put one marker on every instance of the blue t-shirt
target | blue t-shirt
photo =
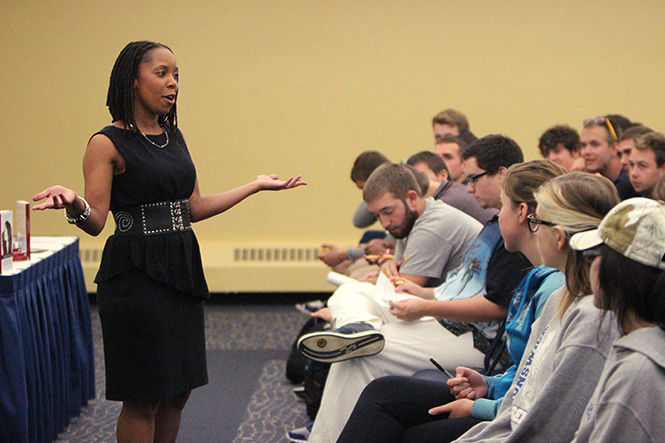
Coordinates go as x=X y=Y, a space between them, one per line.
x=468 y=280
x=487 y=270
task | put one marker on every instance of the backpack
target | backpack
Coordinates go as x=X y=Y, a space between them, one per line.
x=300 y=369
x=316 y=374
x=296 y=362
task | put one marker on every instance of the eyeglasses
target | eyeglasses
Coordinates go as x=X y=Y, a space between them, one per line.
x=534 y=223
x=602 y=121
x=472 y=179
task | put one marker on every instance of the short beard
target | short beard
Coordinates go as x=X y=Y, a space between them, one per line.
x=409 y=220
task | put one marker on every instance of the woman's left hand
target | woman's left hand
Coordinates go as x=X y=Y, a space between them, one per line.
x=457 y=408
x=273 y=183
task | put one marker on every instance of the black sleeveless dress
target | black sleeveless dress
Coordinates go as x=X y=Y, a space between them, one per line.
x=151 y=287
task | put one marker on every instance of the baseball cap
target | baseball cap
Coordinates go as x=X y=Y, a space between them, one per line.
x=634 y=228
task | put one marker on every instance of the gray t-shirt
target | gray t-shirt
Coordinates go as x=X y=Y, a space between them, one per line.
x=626 y=405
x=437 y=242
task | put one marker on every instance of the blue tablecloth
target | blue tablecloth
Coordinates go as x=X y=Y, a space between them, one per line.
x=46 y=356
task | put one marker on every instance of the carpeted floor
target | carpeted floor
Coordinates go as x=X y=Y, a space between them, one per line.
x=248 y=398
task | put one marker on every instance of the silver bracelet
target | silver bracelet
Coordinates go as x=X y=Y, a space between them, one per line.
x=82 y=217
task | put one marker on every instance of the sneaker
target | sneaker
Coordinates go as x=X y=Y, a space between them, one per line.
x=300 y=434
x=349 y=341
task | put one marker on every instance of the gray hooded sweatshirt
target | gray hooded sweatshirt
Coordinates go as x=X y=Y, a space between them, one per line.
x=555 y=378
x=628 y=402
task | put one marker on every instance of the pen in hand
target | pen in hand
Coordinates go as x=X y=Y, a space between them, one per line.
x=441 y=368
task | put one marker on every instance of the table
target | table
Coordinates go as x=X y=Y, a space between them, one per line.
x=46 y=355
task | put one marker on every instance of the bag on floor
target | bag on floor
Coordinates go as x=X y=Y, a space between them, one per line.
x=296 y=362
x=315 y=377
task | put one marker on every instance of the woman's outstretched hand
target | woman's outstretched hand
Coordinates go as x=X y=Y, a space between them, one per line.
x=57 y=197
x=273 y=183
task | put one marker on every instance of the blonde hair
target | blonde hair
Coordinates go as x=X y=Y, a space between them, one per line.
x=576 y=202
x=659 y=189
x=452 y=117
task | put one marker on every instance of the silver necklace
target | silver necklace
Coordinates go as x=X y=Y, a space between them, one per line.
x=155 y=144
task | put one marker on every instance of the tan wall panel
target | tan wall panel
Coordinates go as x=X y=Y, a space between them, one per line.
x=303 y=87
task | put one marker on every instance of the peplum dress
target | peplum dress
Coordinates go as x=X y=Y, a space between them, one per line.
x=151 y=288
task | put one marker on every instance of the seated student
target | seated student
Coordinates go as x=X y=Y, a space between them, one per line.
x=452 y=122
x=339 y=258
x=571 y=341
x=464 y=296
x=362 y=168
x=432 y=237
x=450 y=148
x=600 y=150
x=627 y=143
x=621 y=122
x=446 y=190
x=647 y=162
x=561 y=144
x=427 y=186
x=567 y=346
x=364 y=268
x=628 y=279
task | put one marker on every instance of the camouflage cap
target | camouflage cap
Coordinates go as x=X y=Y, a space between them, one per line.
x=635 y=228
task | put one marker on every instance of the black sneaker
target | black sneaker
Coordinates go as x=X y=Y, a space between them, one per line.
x=349 y=341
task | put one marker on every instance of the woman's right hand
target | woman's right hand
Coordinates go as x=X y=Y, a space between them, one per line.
x=57 y=197
x=468 y=383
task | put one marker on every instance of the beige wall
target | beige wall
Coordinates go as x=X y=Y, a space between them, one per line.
x=303 y=87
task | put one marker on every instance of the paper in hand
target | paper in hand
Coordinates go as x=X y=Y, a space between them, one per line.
x=385 y=292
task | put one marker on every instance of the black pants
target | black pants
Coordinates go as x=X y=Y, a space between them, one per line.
x=394 y=409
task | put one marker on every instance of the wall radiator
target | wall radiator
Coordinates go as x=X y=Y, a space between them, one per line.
x=243 y=267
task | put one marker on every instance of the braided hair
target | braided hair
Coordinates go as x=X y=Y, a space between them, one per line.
x=120 y=97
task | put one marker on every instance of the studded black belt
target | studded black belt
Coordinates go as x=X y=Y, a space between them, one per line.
x=153 y=218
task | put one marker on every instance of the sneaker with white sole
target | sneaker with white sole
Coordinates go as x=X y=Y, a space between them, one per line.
x=349 y=341
x=300 y=434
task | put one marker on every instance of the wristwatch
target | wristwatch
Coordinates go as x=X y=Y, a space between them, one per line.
x=82 y=217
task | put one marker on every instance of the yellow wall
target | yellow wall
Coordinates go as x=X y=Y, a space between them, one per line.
x=304 y=86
